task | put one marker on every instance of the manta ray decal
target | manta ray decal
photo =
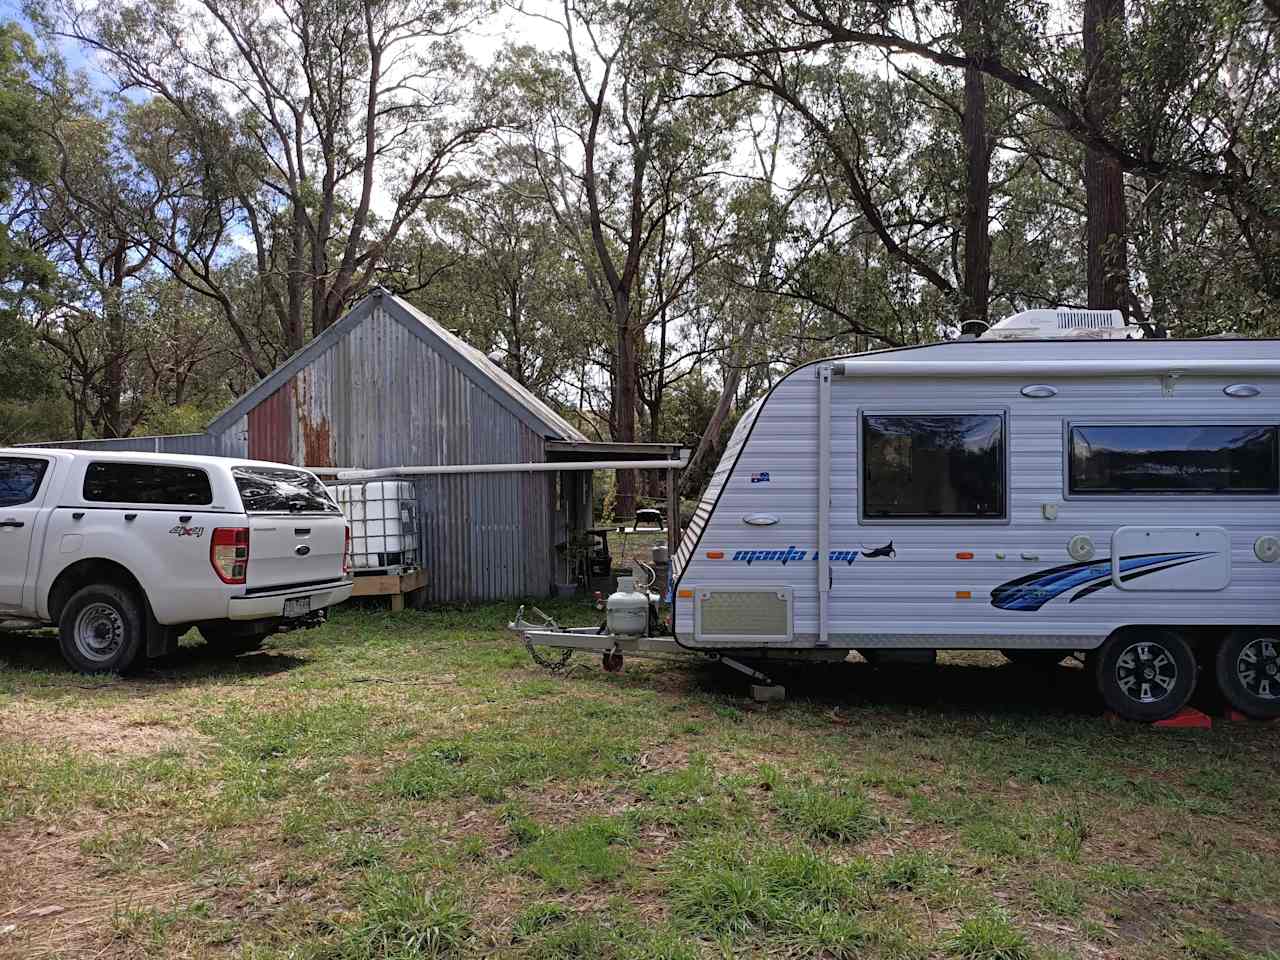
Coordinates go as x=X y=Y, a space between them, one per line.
x=885 y=551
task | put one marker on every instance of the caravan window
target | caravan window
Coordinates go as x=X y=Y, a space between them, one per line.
x=932 y=467
x=1174 y=459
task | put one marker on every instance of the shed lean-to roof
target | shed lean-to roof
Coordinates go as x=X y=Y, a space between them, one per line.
x=483 y=372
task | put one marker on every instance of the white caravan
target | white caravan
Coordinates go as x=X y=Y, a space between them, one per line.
x=1086 y=494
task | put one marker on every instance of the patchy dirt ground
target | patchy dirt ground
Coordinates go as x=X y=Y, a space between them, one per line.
x=410 y=785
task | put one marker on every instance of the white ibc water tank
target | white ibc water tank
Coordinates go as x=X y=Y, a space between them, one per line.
x=381 y=516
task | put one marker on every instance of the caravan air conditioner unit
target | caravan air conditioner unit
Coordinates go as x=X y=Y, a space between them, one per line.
x=1063 y=323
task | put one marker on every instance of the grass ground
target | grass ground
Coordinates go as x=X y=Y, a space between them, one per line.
x=409 y=785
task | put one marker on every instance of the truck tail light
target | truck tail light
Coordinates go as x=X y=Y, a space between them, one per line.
x=346 y=553
x=229 y=553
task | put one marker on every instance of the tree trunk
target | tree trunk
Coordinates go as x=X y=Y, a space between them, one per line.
x=977 y=195
x=1106 y=232
x=628 y=374
x=117 y=349
x=709 y=444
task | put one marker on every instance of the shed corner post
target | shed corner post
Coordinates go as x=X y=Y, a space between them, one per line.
x=824 y=504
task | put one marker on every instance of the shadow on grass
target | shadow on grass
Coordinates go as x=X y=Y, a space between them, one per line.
x=35 y=653
x=946 y=688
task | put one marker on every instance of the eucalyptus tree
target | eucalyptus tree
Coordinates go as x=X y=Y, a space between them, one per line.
x=319 y=128
x=24 y=272
x=1188 y=92
x=621 y=142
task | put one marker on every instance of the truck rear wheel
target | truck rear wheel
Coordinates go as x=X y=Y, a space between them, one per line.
x=1145 y=674
x=102 y=628
x=1247 y=669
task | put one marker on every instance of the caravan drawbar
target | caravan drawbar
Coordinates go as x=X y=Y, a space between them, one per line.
x=1117 y=500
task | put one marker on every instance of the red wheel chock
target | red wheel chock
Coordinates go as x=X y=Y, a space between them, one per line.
x=1188 y=718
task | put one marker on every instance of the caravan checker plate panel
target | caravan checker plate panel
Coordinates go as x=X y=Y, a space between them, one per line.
x=761 y=615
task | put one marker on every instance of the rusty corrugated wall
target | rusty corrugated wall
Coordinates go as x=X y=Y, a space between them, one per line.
x=270 y=427
x=380 y=396
x=386 y=387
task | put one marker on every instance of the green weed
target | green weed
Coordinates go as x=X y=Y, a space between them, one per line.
x=400 y=919
x=988 y=936
x=571 y=858
x=824 y=812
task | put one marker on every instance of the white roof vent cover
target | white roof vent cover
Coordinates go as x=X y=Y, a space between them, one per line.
x=1062 y=323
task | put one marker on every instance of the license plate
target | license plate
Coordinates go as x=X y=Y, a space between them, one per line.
x=297 y=606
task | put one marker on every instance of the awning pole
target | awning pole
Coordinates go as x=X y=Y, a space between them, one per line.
x=540 y=467
x=824 y=503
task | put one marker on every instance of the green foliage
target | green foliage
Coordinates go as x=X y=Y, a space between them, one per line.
x=24 y=272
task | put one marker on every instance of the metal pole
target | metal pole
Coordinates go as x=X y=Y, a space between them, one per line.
x=824 y=503
x=542 y=467
x=673 y=521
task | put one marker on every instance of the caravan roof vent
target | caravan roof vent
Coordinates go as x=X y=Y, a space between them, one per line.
x=1064 y=322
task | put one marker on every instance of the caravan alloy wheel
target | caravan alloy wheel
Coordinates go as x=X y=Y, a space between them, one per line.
x=1146 y=674
x=1248 y=671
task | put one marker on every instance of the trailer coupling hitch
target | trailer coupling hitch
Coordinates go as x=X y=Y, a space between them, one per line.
x=554 y=661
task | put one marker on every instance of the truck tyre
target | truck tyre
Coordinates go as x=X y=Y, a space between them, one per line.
x=1035 y=659
x=102 y=628
x=1247 y=669
x=225 y=638
x=1145 y=674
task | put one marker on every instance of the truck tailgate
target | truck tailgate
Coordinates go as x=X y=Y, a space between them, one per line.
x=288 y=550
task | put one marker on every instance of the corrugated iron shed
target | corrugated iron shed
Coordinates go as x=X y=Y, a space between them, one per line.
x=386 y=386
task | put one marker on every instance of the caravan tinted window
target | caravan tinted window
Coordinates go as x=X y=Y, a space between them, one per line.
x=933 y=467
x=1174 y=459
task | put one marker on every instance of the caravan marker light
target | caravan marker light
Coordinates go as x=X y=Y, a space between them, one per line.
x=715 y=554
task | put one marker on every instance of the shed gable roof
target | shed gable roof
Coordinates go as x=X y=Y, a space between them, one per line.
x=483 y=372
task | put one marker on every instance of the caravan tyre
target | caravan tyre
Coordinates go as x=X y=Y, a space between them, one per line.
x=1248 y=671
x=1145 y=674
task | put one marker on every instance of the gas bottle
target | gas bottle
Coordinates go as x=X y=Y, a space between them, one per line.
x=627 y=610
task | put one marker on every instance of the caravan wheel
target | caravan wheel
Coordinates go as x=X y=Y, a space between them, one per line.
x=1145 y=674
x=1248 y=671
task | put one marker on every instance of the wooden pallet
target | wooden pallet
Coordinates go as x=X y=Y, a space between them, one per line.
x=392 y=585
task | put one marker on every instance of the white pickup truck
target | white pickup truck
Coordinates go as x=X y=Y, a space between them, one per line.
x=125 y=552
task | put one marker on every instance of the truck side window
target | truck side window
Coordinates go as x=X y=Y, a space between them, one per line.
x=20 y=479
x=933 y=466
x=111 y=482
x=1176 y=458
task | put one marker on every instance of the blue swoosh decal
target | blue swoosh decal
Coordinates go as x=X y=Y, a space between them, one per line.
x=1033 y=591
